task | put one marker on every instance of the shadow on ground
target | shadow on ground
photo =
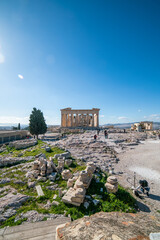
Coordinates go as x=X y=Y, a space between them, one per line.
x=154 y=197
x=143 y=207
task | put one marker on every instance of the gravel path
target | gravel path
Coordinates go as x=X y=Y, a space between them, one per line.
x=144 y=160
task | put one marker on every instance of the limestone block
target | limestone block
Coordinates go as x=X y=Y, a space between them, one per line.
x=111 y=188
x=66 y=174
x=77 y=199
x=80 y=192
x=39 y=190
x=36 y=173
x=60 y=163
x=68 y=162
x=52 y=177
x=112 y=180
x=42 y=161
x=91 y=164
x=41 y=179
x=60 y=192
x=43 y=173
x=61 y=158
x=86 y=204
x=56 y=156
x=96 y=202
x=31 y=184
x=55 y=203
x=75 y=178
x=70 y=182
x=83 y=176
x=48 y=149
x=44 y=167
x=78 y=184
x=36 y=165
x=90 y=171
x=53 y=167
x=66 y=154
x=29 y=174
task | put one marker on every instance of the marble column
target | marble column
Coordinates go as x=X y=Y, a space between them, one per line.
x=62 y=119
x=92 y=119
x=71 y=119
x=97 y=119
x=87 y=120
x=76 y=119
x=67 y=120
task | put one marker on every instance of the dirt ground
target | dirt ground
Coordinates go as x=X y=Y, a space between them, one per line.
x=144 y=160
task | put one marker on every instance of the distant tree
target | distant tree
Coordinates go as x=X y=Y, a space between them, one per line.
x=19 y=126
x=37 y=124
x=26 y=128
x=14 y=128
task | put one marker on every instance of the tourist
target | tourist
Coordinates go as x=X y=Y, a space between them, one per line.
x=95 y=137
x=106 y=134
x=98 y=131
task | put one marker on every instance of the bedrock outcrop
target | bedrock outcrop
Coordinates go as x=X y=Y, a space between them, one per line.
x=110 y=226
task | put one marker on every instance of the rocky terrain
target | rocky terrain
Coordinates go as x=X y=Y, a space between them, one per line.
x=50 y=183
x=111 y=226
x=48 y=180
x=113 y=156
x=84 y=147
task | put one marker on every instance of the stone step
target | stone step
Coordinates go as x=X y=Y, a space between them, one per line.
x=33 y=231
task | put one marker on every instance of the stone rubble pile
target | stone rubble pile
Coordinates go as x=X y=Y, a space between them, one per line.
x=102 y=151
x=76 y=194
x=22 y=144
x=42 y=168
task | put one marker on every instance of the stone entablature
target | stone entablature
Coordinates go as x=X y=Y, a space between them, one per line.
x=80 y=117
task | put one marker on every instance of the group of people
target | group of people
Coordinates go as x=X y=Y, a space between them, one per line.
x=98 y=131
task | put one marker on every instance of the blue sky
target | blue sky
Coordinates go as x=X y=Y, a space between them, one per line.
x=80 y=54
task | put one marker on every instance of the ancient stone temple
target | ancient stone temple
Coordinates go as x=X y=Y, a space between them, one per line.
x=80 y=118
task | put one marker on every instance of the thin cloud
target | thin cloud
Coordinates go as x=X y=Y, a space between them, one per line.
x=122 y=118
x=20 y=76
x=101 y=116
x=152 y=117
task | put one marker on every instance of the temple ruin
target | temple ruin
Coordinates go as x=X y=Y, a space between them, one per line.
x=80 y=118
x=142 y=126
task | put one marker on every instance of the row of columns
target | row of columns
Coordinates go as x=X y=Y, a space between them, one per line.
x=78 y=120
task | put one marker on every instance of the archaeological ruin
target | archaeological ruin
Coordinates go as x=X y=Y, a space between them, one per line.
x=7 y=136
x=73 y=118
x=142 y=126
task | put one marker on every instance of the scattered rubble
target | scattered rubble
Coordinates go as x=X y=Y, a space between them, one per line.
x=22 y=144
x=76 y=195
x=102 y=151
x=9 y=161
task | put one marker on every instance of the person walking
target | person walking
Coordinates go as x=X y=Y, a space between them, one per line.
x=106 y=134
x=95 y=137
